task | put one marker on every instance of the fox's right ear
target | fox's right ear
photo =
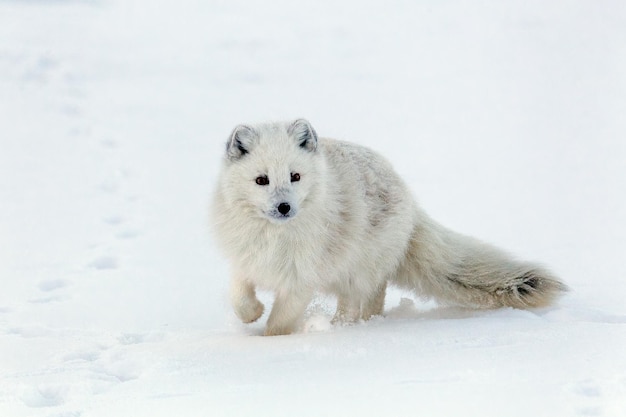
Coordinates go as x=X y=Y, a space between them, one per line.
x=304 y=134
x=240 y=142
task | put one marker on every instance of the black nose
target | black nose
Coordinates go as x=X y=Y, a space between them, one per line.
x=284 y=208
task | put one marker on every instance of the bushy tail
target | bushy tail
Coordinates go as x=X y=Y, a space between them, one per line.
x=457 y=269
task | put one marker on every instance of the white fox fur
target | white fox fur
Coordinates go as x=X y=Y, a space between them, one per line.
x=297 y=215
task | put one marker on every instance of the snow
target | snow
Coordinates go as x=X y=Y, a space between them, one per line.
x=506 y=118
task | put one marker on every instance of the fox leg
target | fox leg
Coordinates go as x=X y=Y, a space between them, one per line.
x=375 y=303
x=352 y=308
x=287 y=310
x=348 y=309
x=243 y=298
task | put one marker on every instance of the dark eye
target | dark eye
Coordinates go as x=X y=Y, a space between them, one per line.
x=295 y=177
x=262 y=180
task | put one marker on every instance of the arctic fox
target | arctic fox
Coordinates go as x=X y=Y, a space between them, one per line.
x=297 y=215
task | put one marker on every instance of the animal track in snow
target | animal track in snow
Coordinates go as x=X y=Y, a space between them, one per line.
x=136 y=338
x=109 y=186
x=587 y=397
x=44 y=396
x=41 y=70
x=46 y=300
x=586 y=388
x=131 y=338
x=118 y=220
x=82 y=356
x=29 y=332
x=104 y=262
x=128 y=234
x=52 y=284
x=67 y=414
x=109 y=144
x=114 y=220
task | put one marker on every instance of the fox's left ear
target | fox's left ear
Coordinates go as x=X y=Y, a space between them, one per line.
x=304 y=134
x=240 y=142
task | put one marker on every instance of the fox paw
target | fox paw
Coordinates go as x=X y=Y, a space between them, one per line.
x=250 y=312
x=277 y=331
x=345 y=317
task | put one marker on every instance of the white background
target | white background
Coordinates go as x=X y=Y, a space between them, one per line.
x=506 y=119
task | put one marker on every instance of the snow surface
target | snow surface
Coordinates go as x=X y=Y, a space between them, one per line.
x=506 y=118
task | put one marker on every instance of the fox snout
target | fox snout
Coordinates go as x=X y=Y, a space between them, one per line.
x=283 y=208
x=282 y=212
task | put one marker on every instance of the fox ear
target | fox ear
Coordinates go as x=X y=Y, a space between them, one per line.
x=304 y=134
x=240 y=142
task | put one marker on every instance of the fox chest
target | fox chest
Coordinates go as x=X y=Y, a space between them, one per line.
x=283 y=263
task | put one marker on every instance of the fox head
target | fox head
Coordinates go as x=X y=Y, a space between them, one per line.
x=271 y=170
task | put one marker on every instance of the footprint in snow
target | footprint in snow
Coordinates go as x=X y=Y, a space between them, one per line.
x=40 y=71
x=109 y=186
x=128 y=234
x=50 y=286
x=44 y=396
x=68 y=414
x=118 y=220
x=588 y=395
x=82 y=356
x=46 y=300
x=109 y=144
x=126 y=339
x=114 y=220
x=53 y=284
x=104 y=263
